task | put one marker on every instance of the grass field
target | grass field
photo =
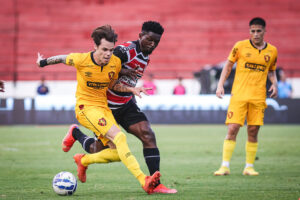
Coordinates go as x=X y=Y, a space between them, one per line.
x=30 y=156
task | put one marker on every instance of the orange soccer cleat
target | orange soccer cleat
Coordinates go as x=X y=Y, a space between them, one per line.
x=69 y=140
x=81 y=170
x=164 y=190
x=151 y=182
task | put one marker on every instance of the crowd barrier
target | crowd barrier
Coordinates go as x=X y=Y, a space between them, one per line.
x=165 y=109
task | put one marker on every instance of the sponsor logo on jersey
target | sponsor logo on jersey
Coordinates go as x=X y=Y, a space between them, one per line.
x=102 y=122
x=255 y=67
x=97 y=85
x=267 y=58
x=111 y=75
x=88 y=74
x=248 y=55
x=113 y=66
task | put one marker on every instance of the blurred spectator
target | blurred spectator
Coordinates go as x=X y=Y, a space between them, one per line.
x=284 y=87
x=42 y=89
x=148 y=83
x=179 y=89
x=1 y=86
x=209 y=76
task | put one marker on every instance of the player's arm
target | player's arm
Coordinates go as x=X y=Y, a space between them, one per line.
x=273 y=88
x=224 y=75
x=119 y=87
x=42 y=62
x=132 y=73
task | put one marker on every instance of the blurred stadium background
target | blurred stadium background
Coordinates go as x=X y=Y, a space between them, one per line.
x=199 y=35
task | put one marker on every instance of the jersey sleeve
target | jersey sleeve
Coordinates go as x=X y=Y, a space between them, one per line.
x=119 y=67
x=121 y=52
x=234 y=54
x=74 y=59
x=274 y=63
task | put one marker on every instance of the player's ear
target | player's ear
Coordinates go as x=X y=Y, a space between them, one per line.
x=95 y=46
x=141 y=35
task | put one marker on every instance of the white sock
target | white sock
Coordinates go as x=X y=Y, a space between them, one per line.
x=225 y=163
x=248 y=165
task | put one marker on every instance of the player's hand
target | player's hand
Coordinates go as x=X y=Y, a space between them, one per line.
x=220 y=92
x=274 y=91
x=132 y=73
x=39 y=58
x=138 y=90
x=2 y=86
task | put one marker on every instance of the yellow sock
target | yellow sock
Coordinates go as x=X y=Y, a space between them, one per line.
x=104 y=156
x=228 y=148
x=251 y=149
x=127 y=158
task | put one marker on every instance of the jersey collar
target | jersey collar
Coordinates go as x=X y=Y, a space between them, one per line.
x=138 y=49
x=257 y=48
x=92 y=57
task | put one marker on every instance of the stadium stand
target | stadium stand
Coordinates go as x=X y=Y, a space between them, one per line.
x=197 y=32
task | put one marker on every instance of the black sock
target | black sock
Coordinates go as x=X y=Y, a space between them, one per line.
x=84 y=140
x=152 y=159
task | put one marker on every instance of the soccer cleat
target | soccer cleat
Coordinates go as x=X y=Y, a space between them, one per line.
x=69 y=140
x=222 y=171
x=164 y=190
x=250 y=171
x=81 y=170
x=151 y=182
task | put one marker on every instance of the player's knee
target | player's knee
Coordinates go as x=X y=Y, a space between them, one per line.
x=147 y=136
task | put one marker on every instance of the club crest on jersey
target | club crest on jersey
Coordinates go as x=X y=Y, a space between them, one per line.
x=267 y=58
x=230 y=114
x=102 y=122
x=111 y=75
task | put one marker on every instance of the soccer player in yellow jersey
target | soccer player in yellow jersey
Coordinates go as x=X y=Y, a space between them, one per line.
x=96 y=72
x=256 y=59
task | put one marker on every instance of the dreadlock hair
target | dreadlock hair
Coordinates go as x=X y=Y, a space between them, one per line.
x=152 y=26
x=105 y=32
x=258 y=21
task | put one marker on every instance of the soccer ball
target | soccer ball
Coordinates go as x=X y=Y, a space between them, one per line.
x=64 y=183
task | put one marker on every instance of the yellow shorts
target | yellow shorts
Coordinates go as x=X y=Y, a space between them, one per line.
x=97 y=119
x=238 y=110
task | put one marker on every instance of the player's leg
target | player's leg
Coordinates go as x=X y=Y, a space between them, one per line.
x=255 y=118
x=115 y=135
x=135 y=122
x=89 y=144
x=93 y=118
x=235 y=119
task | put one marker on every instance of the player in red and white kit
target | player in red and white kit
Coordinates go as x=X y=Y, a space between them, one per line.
x=134 y=56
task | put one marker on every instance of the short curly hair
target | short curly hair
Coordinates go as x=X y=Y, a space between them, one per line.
x=152 y=26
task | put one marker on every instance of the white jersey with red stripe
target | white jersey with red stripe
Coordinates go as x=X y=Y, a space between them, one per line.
x=132 y=58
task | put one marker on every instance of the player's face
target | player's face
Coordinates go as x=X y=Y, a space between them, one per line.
x=104 y=52
x=149 y=41
x=257 y=33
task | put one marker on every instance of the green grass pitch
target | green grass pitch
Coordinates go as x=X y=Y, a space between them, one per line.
x=30 y=156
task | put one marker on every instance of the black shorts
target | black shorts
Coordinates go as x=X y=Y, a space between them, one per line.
x=128 y=115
